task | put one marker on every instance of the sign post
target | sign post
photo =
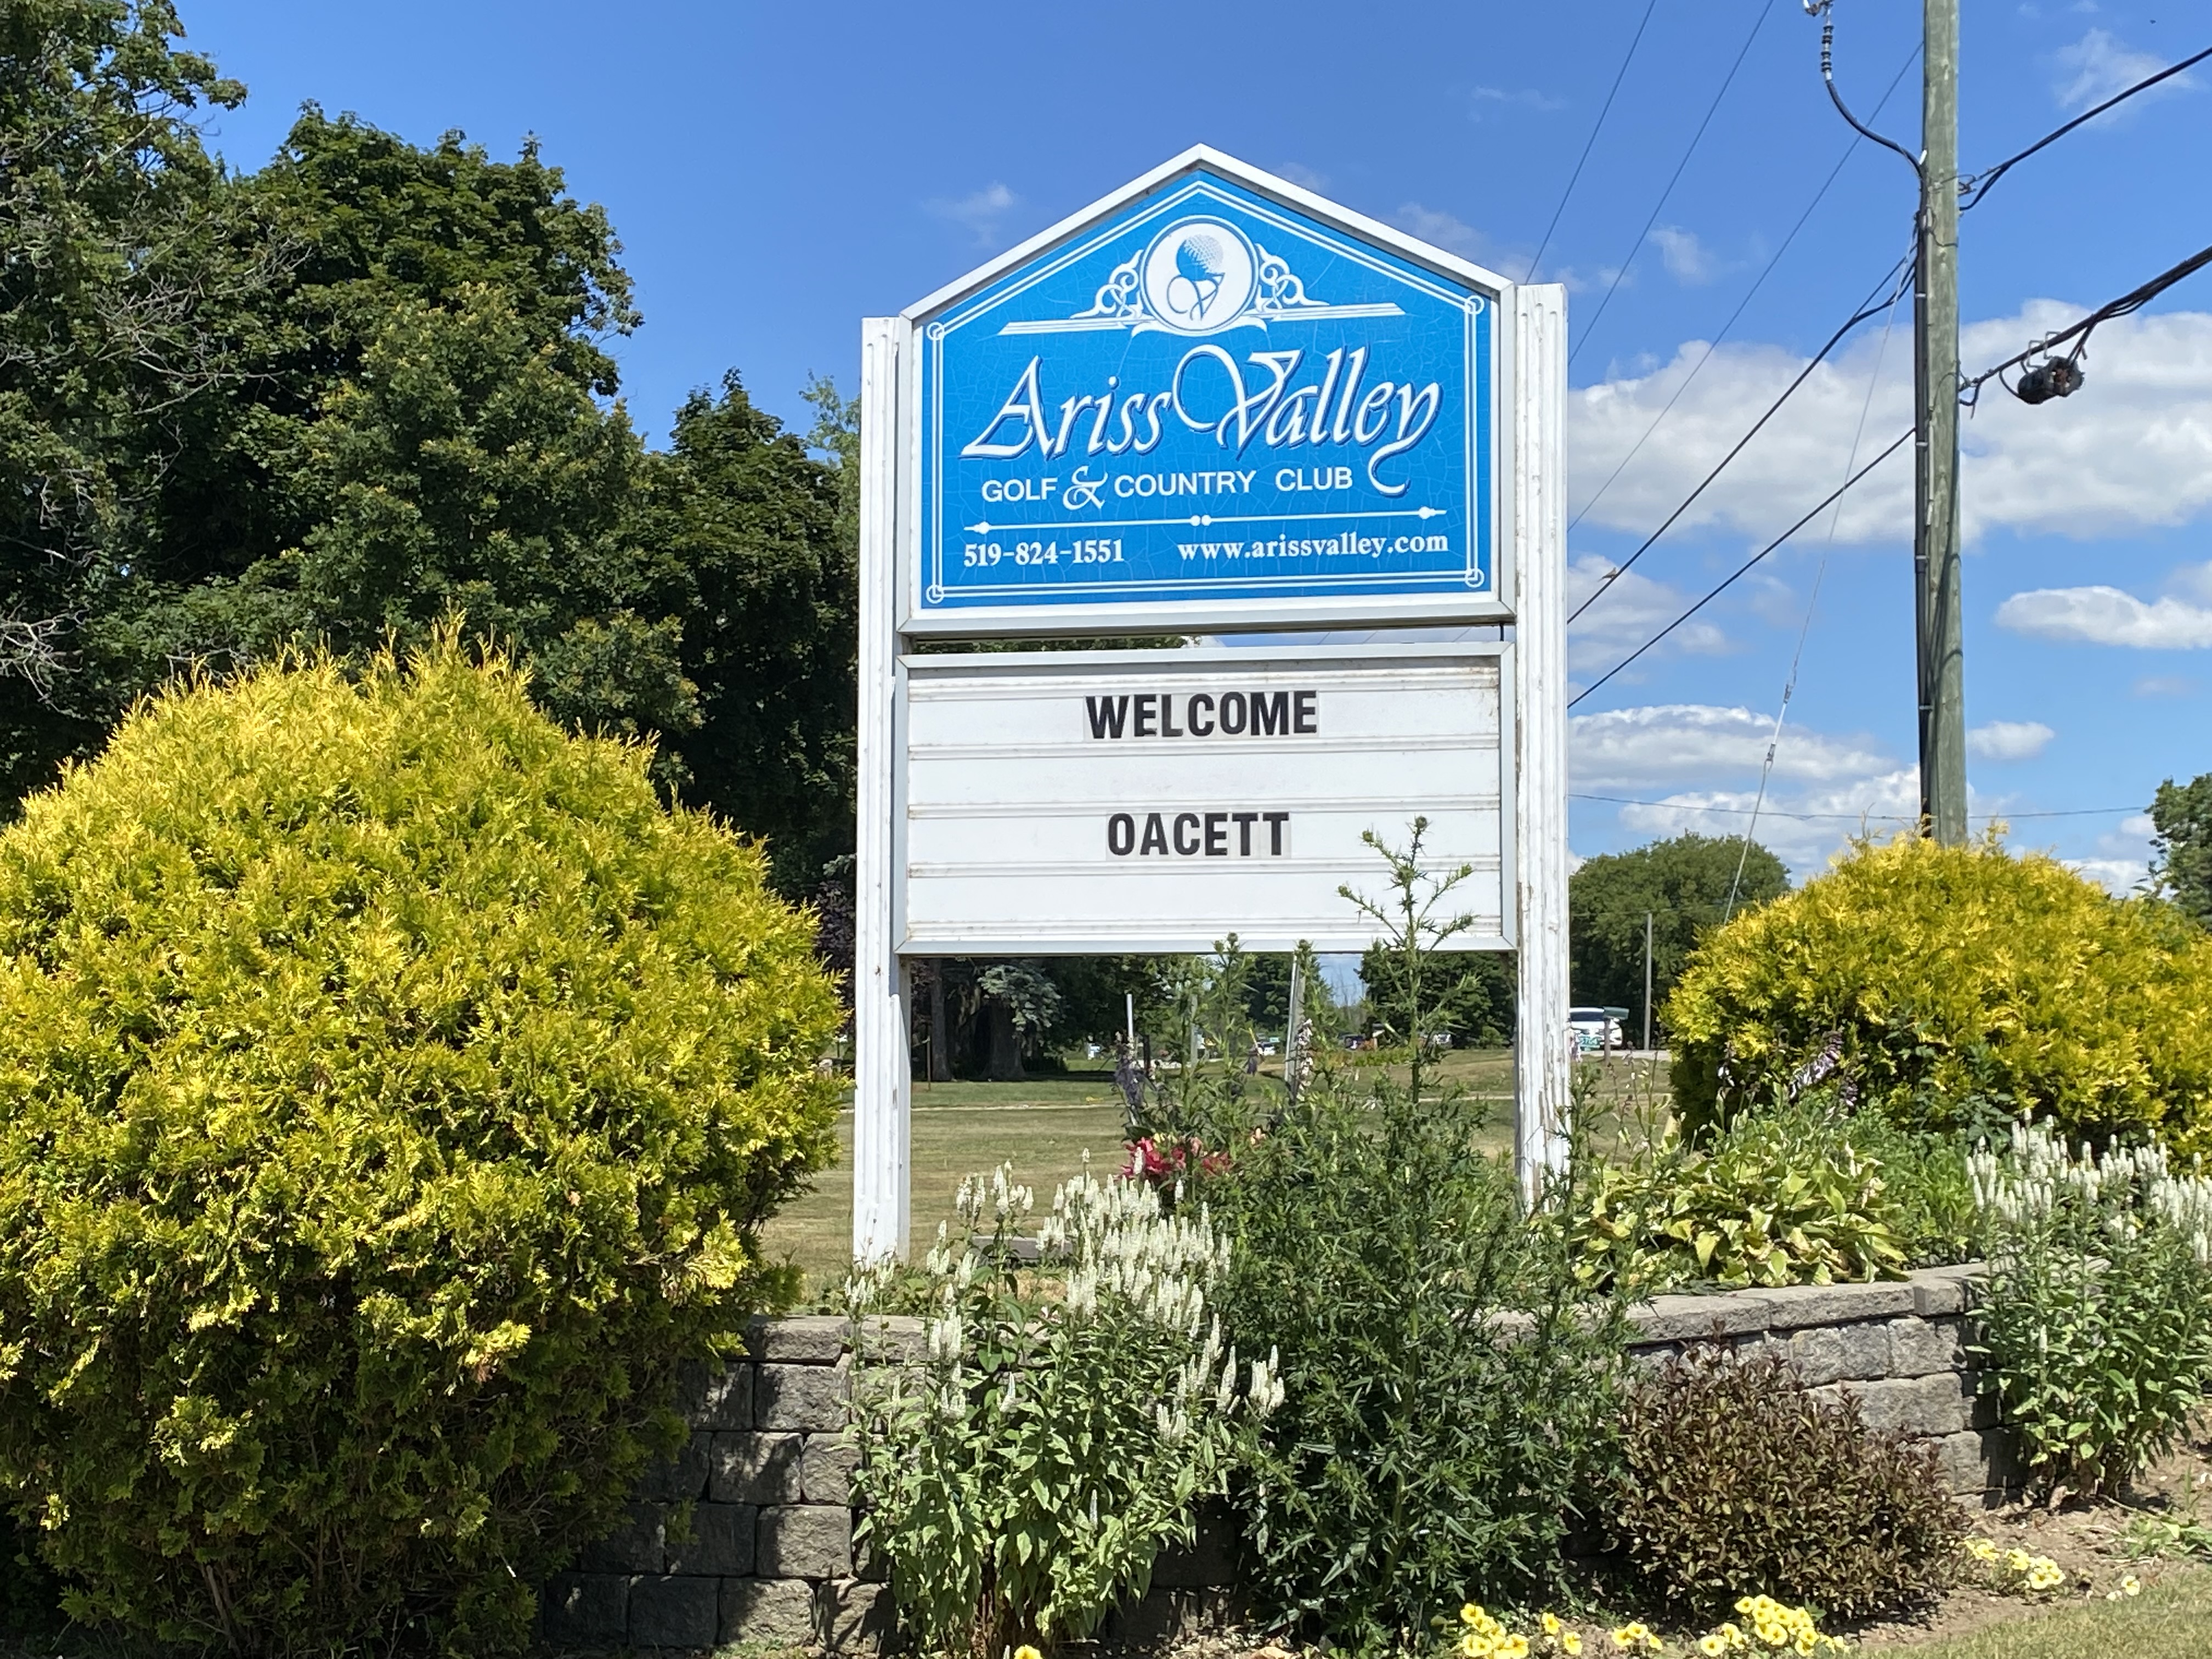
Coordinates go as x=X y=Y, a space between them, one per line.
x=1211 y=402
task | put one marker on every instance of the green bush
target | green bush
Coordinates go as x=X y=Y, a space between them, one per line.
x=1953 y=988
x=391 y=1093
x=2096 y=1316
x=1023 y=1476
x=1738 y=1480
x=1450 y=1391
x=1776 y=1198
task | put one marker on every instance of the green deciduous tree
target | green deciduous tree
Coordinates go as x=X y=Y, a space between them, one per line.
x=337 y=398
x=2181 y=844
x=1684 y=884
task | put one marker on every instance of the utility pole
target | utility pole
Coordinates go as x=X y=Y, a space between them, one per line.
x=1936 y=448
x=1647 y=982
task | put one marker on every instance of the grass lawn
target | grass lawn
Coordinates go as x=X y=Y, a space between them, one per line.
x=1045 y=1126
x=2171 y=1620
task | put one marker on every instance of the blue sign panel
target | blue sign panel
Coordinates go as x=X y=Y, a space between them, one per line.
x=1208 y=398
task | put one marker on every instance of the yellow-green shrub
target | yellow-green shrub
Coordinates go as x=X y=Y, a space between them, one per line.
x=391 y=1091
x=1950 y=987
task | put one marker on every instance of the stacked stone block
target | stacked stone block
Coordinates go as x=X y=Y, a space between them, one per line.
x=1898 y=1348
x=747 y=1534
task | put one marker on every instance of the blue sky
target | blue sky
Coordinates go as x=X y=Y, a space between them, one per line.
x=777 y=172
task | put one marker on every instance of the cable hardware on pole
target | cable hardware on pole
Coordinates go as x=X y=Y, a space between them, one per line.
x=1826 y=12
x=2133 y=301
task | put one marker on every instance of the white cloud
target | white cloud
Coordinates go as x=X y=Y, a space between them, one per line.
x=2132 y=448
x=1634 y=608
x=2140 y=824
x=1687 y=258
x=2107 y=616
x=1298 y=174
x=1450 y=232
x=2118 y=877
x=2009 y=740
x=1633 y=750
x=2164 y=685
x=1525 y=98
x=978 y=211
x=2098 y=65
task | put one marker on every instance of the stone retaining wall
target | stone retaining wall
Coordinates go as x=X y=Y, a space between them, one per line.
x=748 y=1535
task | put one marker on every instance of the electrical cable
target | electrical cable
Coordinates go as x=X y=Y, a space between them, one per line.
x=1812 y=604
x=1975 y=185
x=1891 y=276
x=1825 y=10
x=1589 y=144
x=1659 y=207
x=1834 y=173
x=2134 y=300
x=1896 y=444
x=1823 y=817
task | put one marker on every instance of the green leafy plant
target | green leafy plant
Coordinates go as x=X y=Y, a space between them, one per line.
x=1450 y=1389
x=1793 y=1197
x=1950 y=989
x=1735 y=1477
x=390 y=1094
x=1023 y=1476
x=2096 y=1315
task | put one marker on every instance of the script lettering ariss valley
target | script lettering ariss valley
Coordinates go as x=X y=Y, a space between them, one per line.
x=1207 y=392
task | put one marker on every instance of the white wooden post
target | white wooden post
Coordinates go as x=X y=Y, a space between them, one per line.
x=881 y=1098
x=1542 y=1064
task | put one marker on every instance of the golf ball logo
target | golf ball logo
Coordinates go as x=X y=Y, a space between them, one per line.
x=1199 y=275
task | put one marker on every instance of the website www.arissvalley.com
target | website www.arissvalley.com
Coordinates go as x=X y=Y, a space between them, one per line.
x=1350 y=545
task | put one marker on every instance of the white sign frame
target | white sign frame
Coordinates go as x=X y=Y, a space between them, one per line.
x=1340 y=669
x=1531 y=564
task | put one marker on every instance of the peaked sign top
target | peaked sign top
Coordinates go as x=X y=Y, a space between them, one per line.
x=1212 y=400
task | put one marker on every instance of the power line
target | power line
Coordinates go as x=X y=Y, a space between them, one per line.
x=2131 y=301
x=2134 y=300
x=1974 y=187
x=1896 y=444
x=1575 y=178
x=1812 y=604
x=1750 y=293
x=1803 y=374
x=1659 y=207
x=1900 y=817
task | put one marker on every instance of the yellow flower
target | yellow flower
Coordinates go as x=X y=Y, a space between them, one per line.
x=1513 y=1647
x=1729 y=1634
x=1551 y=1623
x=1712 y=1645
x=1631 y=1636
x=1572 y=1641
x=1025 y=1651
x=1474 y=1645
x=2130 y=1585
x=1471 y=1614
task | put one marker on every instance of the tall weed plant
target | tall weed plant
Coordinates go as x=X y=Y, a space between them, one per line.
x=1450 y=1390
x=2096 y=1319
x=1069 y=1414
x=391 y=1092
